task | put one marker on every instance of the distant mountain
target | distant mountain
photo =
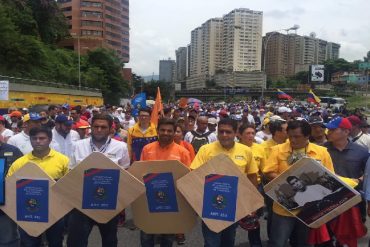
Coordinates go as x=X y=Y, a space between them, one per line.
x=150 y=77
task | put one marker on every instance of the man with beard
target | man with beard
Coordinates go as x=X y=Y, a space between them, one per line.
x=164 y=149
x=80 y=225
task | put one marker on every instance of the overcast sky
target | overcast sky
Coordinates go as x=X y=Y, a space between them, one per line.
x=158 y=28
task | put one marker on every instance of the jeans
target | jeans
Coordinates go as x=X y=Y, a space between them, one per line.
x=80 y=226
x=254 y=238
x=225 y=238
x=9 y=235
x=54 y=236
x=284 y=228
x=147 y=240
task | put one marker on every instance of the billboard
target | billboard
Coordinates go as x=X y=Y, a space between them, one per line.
x=317 y=73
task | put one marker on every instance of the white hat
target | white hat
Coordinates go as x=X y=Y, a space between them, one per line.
x=212 y=120
x=283 y=109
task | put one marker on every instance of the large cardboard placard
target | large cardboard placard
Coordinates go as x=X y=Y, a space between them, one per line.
x=176 y=221
x=57 y=206
x=71 y=187
x=312 y=193
x=248 y=199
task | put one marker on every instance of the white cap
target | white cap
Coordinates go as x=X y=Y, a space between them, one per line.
x=283 y=109
x=212 y=120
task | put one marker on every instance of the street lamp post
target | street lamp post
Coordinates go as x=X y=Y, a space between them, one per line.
x=79 y=58
x=295 y=28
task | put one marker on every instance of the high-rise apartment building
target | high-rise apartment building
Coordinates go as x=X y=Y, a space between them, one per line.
x=288 y=54
x=229 y=44
x=98 y=23
x=167 y=70
x=181 y=63
x=242 y=39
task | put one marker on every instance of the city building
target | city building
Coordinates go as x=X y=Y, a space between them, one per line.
x=342 y=78
x=181 y=63
x=167 y=70
x=229 y=44
x=98 y=23
x=287 y=54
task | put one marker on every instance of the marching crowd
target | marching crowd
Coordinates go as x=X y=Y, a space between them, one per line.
x=263 y=140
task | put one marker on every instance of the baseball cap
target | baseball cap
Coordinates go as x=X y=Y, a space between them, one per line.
x=283 y=109
x=82 y=125
x=316 y=120
x=212 y=121
x=15 y=114
x=354 y=120
x=66 y=106
x=33 y=116
x=339 y=122
x=223 y=113
x=277 y=118
x=64 y=120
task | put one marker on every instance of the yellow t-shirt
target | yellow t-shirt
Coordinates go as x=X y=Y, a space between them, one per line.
x=54 y=164
x=240 y=154
x=278 y=163
x=267 y=145
x=259 y=157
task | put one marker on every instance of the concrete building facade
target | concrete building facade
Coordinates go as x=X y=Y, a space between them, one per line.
x=232 y=43
x=98 y=23
x=288 y=54
x=167 y=70
x=181 y=63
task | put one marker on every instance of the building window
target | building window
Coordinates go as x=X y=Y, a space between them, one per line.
x=111 y=26
x=114 y=35
x=91 y=4
x=91 y=23
x=113 y=43
x=91 y=33
x=91 y=14
x=64 y=1
x=67 y=9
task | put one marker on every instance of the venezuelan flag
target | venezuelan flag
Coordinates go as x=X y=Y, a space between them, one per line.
x=313 y=98
x=282 y=95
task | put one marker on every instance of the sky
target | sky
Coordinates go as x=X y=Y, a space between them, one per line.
x=158 y=28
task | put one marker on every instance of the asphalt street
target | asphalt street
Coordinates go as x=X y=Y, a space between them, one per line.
x=127 y=237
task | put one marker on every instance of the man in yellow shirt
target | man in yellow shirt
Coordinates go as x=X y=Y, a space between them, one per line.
x=55 y=165
x=284 y=225
x=242 y=156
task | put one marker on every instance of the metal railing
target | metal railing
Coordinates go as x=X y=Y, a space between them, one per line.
x=34 y=82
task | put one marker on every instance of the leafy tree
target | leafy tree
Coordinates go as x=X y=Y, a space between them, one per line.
x=367 y=58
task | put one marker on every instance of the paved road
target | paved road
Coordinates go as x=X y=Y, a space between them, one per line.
x=130 y=238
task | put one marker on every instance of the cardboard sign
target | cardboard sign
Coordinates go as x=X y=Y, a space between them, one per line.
x=97 y=196
x=196 y=191
x=312 y=193
x=30 y=201
x=163 y=209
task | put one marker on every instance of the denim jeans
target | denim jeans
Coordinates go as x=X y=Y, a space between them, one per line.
x=147 y=240
x=284 y=228
x=225 y=238
x=254 y=238
x=9 y=235
x=54 y=236
x=80 y=226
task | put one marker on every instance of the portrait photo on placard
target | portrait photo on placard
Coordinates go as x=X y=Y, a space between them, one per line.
x=310 y=192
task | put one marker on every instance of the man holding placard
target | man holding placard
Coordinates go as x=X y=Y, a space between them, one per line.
x=9 y=235
x=242 y=156
x=55 y=165
x=163 y=149
x=80 y=225
x=284 y=225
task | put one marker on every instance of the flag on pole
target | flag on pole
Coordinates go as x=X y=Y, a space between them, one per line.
x=157 y=108
x=313 y=98
x=138 y=102
x=282 y=95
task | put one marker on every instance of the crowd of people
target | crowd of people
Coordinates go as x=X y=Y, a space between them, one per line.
x=263 y=140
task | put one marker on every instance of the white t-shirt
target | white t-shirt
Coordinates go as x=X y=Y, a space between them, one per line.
x=312 y=193
x=263 y=135
x=7 y=133
x=65 y=145
x=21 y=141
x=116 y=151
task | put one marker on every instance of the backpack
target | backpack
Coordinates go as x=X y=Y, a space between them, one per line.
x=199 y=140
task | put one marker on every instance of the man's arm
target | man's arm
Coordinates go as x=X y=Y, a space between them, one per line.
x=253 y=179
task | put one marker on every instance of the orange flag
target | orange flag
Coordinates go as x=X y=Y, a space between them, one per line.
x=157 y=108
x=183 y=102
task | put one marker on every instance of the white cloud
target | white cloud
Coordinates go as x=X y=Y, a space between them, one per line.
x=158 y=28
